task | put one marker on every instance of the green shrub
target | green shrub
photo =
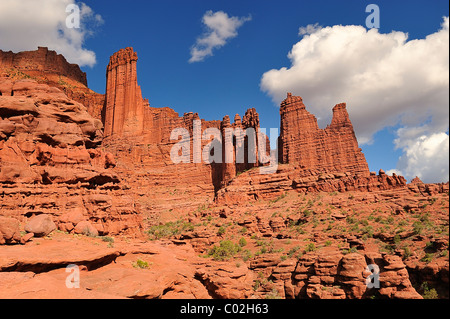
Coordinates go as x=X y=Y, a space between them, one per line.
x=242 y=242
x=293 y=250
x=406 y=252
x=243 y=230
x=140 y=264
x=246 y=255
x=261 y=243
x=306 y=213
x=397 y=239
x=310 y=247
x=417 y=228
x=428 y=293
x=273 y=295
x=364 y=222
x=221 y=231
x=256 y=285
x=169 y=229
x=367 y=231
x=226 y=250
x=350 y=250
x=107 y=239
x=427 y=258
x=350 y=219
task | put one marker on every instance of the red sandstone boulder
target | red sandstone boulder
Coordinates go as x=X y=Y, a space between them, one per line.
x=40 y=225
x=86 y=228
x=9 y=230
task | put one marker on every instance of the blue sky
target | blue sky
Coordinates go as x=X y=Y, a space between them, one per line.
x=230 y=81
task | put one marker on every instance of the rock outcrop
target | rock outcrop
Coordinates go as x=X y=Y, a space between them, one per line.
x=333 y=275
x=147 y=131
x=302 y=142
x=51 y=163
x=124 y=106
x=251 y=185
x=41 y=61
x=47 y=67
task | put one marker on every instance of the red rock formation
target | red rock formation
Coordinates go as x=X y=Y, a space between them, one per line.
x=42 y=60
x=416 y=180
x=48 y=67
x=49 y=150
x=124 y=106
x=312 y=241
x=334 y=148
x=252 y=185
x=332 y=275
x=127 y=116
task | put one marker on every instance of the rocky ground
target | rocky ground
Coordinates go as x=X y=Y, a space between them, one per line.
x=293 y=246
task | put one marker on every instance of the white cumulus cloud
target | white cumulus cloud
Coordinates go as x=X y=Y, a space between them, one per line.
x=425 y=156
x=27 y=24
x=219 y=29
x=385 y=79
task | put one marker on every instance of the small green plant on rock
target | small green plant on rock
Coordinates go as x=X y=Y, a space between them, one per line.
x=427 y=292
x=141 y=264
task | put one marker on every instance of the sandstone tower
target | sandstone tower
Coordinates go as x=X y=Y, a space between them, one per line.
x=301 y=141
x=124 y=105
x=126 y=115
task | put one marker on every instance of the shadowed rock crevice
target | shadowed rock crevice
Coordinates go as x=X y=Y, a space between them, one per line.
x=210 y=287
x=41 y=267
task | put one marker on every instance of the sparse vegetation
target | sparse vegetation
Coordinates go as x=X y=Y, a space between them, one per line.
x=273 y=294
x=221 y=231
x=310 y=247
x=141 y=264
x=427 y=258
x=169 y=229
x=225 y=251
x=406 y=252
x=242 y=242
x=428 y=293
x=350 y=250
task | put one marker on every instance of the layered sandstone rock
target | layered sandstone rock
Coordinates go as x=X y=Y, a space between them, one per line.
x=50 y=162
x=302 y=142
x=252 y=185
x=42 y=60
x=333 y=275
x=168 y=271
x=141 y=136
x=241 y=142
x=47 y=67
x=124 y=105
x=304 y=235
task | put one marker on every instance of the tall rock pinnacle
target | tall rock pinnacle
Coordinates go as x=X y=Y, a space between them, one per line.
x=303 y=142
x=124 y=106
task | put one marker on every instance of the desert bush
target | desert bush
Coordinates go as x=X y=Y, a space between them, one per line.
x=242 y=242
x=140 y=264
x=226 y=250
x=169 y=229
x=310 y=247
